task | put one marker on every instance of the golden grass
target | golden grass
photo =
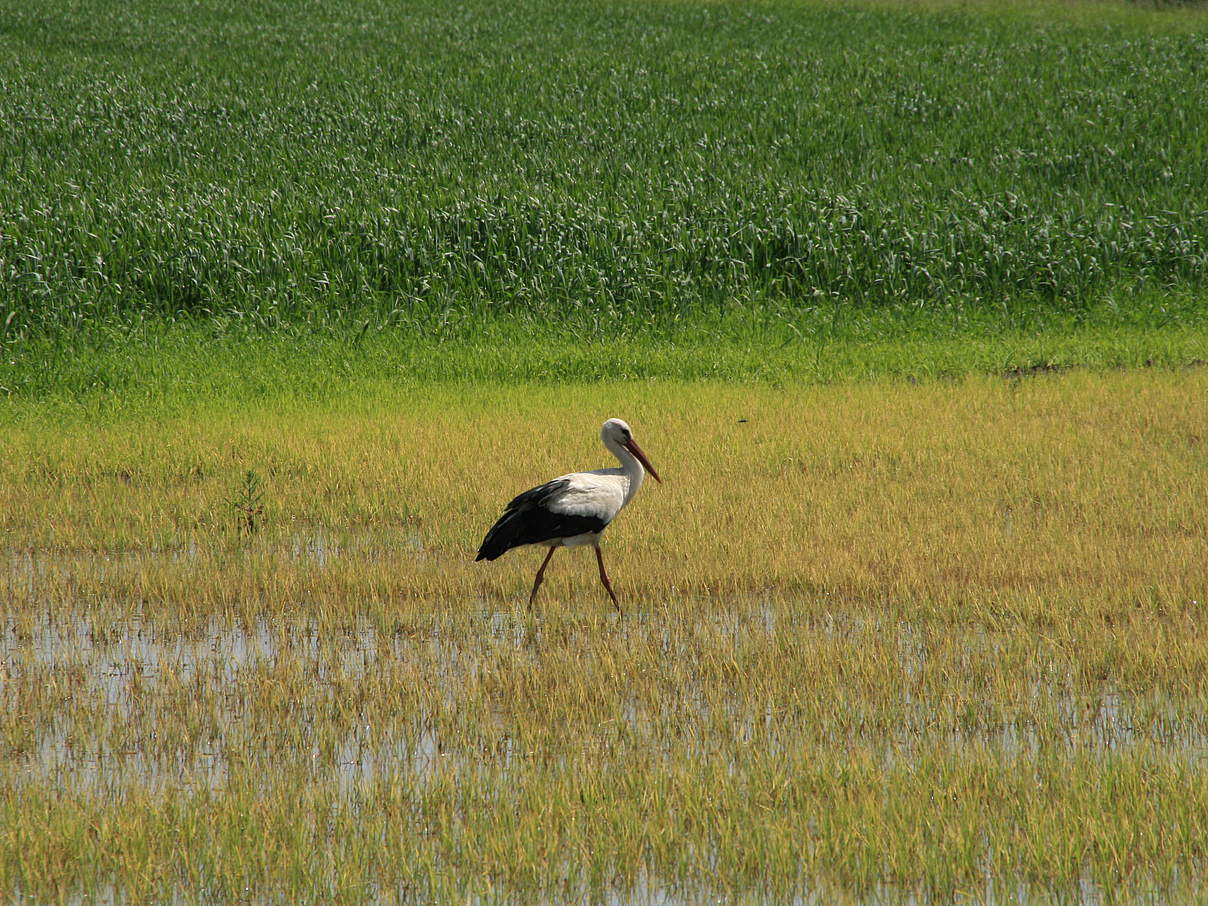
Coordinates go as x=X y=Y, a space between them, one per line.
x=880 y=639
x=946 y=496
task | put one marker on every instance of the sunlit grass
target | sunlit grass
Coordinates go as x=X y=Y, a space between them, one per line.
x=880 y=639
x=988 y=486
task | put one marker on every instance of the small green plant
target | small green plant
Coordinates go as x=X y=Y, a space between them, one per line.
x=249 y=504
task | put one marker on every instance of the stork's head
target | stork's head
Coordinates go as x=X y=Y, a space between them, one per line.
x=616 y=433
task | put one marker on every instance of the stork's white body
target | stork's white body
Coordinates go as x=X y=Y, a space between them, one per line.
x=573 y=509
x=600 y=494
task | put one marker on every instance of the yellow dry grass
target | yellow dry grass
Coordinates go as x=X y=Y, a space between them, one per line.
x=880 y=640
x=1087 y=487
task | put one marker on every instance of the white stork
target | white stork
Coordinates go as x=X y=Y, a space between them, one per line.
x=573 y=509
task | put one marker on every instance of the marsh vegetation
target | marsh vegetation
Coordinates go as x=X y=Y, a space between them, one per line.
x=882 y=641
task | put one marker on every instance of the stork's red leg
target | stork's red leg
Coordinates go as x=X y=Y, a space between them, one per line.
x=604 y=579
x=540 y=576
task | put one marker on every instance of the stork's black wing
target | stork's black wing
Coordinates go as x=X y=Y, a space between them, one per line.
x=533 y=518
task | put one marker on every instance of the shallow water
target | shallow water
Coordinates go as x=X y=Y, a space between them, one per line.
x=127 y=661
x=650 y=893
x=101 y=729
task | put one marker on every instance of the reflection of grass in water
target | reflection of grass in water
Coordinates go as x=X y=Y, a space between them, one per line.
x=880 y=636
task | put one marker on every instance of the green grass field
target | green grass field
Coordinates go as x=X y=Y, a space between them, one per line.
x=601 y=167
x=906 y=301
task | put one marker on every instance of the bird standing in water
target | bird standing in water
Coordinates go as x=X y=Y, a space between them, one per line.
x=574 y=509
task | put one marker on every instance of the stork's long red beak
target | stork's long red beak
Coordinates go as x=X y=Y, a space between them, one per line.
x=632 y=447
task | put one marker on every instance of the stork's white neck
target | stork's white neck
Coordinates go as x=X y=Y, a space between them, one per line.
x=630 y=467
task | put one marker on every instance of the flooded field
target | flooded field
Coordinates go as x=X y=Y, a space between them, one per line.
x=115 y=727
x=949 y=644
x=785 y=740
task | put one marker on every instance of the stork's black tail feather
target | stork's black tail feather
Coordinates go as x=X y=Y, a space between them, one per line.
x=500 y=539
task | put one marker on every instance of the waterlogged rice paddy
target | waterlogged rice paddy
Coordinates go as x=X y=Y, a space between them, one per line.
x=296 y=296
x=883 y=643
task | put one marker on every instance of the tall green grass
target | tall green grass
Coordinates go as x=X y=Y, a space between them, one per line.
x=607 y=166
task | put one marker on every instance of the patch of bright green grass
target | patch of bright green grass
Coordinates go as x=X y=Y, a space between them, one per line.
x=156 y=369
